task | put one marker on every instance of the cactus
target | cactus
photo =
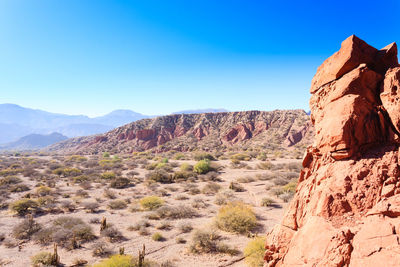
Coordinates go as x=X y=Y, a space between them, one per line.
x=103 y=224
x=141 y=256
x=55 y=259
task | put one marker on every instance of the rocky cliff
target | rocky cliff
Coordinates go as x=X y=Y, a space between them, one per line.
x=208 y=131
x=346 y=210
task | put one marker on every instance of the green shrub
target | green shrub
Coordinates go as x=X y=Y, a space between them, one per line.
x=160 y=176
x=266 y=202
x=186 y=167
x=290 y=187
x=151 y=202
x=19 y=188
x=42 y=259
x=123 y=261
x=106 y=155
x=10 y=180
x=204 y=241
x=262 y=156
x=77 y=158
x=265 y=165
x=203 y=156
x=202 y=167
x=236 y=217
x=108 y=175
x=24 y=206
x=67 y=171
x=157 y=237
x=71 y=172
x=240 y=156
x=80 y=179
x=43 y=190
x=254 y=252
x=208 y=241
x=182 y=175
x=179 y=156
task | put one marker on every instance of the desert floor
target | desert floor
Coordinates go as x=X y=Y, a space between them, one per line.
x=204 y=194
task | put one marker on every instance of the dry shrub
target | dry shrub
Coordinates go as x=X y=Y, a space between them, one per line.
x=151 y=202
x=236 y=217
x=175 y=212
x=254 y=252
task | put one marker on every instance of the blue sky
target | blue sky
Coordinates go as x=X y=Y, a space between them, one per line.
x=156 y=57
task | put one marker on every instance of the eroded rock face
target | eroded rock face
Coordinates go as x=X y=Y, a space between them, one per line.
x=346 y=210
x=390 y=95
x=186 y=132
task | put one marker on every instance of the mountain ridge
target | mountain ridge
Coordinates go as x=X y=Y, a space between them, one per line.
x=34 y=142
x=208 y=131
x=17 y=121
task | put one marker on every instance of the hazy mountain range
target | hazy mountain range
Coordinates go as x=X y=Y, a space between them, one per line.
x=17 y=122
x=34 y=141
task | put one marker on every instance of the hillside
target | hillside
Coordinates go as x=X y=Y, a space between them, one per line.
x=272 y=130
x=34 y=141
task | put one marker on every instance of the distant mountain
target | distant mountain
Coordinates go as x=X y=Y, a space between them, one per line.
x=198 y=111
x=83 y=129
x=17 y=122
x=12 y=131
x=272 y=130
x=34 y=141
x=119 y=117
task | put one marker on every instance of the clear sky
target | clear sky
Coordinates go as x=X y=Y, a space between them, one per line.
x=155 y=57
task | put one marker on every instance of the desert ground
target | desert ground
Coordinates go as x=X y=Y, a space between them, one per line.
x=188 y=209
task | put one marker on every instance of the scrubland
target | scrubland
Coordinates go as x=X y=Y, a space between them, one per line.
x=185 y=209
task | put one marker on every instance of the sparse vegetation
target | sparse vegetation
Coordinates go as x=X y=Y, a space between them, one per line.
x=151 y=202
x=24 y=206
x=236 y=217
x=202 y=167
x=162 y=204
x=157 y=237
x=254 y=252
x=124 y=261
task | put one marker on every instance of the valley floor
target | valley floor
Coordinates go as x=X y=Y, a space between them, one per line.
x=252 y=182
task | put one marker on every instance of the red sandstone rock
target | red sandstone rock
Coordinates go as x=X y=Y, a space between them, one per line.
x=344 y=113
x=238 y=133
x=352 y=53
x=346 y=210
x=390 y=95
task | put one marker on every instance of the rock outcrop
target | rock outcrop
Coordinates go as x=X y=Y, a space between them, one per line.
x=346 y=210
x=279 y=129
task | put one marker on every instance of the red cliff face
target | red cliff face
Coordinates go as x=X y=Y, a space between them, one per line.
x=347 y=204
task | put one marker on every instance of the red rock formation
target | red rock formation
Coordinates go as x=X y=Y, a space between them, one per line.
x=185 y=132
x=346 y=210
